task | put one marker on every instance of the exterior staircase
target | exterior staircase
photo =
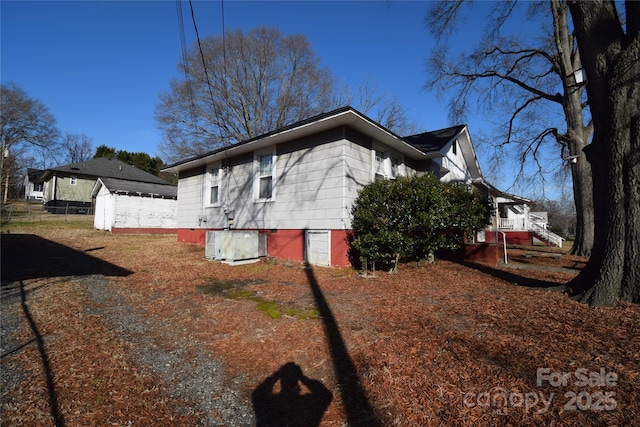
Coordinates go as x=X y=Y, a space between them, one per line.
x=545 y=235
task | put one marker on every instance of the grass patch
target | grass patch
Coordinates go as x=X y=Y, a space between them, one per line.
x=271 y=308
x=221 y=287
x=240 y=293
x=236 y=289
x=34 y=226
x=302 y=314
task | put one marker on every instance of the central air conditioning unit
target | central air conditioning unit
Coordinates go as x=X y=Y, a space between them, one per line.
x=235 y=245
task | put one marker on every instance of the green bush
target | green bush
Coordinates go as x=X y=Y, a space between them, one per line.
x=408 y=219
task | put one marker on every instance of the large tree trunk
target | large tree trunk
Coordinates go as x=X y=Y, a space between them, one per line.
x=583 y=199
x=610 y=59
x=578 y=135
x=578 y=138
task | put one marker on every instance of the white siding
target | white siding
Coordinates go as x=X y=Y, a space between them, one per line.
x=456 y=165
x=359 y=170
x=308 y=193
x=144 y=212
x=190 y=200
x=103 y=218
x=315 y=186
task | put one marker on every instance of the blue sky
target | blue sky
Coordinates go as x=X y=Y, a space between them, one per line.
x=100 y=66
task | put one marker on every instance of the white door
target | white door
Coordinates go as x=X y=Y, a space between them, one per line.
x=103 y=208
x=318 y=247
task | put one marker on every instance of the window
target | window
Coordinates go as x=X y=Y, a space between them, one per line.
x=37 y=186
x=455 y=147
x=214 y=186
x=396 y=167
x=387 y=165
x=379 y=165
x=264 y=187
x=73 y=180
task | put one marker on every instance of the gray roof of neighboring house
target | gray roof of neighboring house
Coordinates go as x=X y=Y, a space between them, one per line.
x=107 y=168
x=435 y=140
x=122 y=186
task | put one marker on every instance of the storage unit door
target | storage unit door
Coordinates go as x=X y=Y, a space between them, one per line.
x=318 y=247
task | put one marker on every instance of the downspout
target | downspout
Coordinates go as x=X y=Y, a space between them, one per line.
x=344 y=184
x=203 y=195
x=345 y=209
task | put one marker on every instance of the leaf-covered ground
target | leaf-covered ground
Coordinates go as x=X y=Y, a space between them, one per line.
x=441 y=344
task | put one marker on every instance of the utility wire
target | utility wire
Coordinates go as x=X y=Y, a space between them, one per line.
x=204 y=66
x=206 y=73
x=183 y=46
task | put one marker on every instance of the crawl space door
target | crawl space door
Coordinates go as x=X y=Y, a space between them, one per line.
x=318 y=247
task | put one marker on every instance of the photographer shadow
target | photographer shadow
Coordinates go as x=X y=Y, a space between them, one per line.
x=289 y=398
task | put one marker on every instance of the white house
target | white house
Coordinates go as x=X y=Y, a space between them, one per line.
x=296 y=185
x=123 y=206
x=513 y=220
x=33 y=185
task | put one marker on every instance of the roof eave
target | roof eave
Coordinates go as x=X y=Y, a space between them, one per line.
x=342 y=117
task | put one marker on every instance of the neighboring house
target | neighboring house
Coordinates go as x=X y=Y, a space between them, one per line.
x=296 y=185
x=33 y=185
x=70 y=186
x=513 y=219
x=123 y=206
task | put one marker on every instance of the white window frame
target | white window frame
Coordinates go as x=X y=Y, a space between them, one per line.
x=383 y=164
x=258 y=176
x=379 y=167
x=73 y=180
x=396 y=167
x=213 y=178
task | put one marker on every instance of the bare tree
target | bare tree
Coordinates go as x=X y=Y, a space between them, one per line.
x=383 y=109
x=531 y=88
x=28 y=128
x=610 y=48
x=76 y=148
x=240 y=86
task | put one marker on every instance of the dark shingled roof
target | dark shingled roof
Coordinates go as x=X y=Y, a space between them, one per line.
x=301 y=123
x=104 y=167
x=435 y=140
x=35 y=175
x=167 y=191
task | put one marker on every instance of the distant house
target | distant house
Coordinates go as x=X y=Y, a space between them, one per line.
x=295 y=186
x=70 y=187
x=123 y=206
x=512 y=221
x=33 y=185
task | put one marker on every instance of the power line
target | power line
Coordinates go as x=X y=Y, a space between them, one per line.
x=183 y=46
x=204 y=62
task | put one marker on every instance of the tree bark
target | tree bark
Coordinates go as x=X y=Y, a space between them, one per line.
x=578 y=135
x=610 y=59
x=583 y=199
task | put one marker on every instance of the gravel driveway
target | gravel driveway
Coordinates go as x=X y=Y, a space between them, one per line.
x=190 y=374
